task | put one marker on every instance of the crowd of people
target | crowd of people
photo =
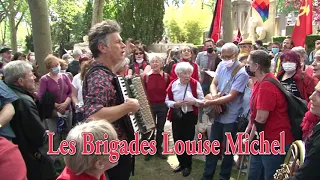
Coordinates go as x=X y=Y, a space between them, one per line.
x=79 y=94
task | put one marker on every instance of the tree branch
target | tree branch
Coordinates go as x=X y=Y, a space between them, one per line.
x=21 y=17
x=4 y=8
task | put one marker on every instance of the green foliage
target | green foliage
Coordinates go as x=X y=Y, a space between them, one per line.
x=188 y=22
x=29 y=43
x=284 y=9
x=67 y=22
x=279 y=39
x=310 y=40
x=141 y=19
x=176 y=34
x=193 y=31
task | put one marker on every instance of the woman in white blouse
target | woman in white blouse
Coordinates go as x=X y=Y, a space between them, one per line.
x=77 y=89
x=184 y=96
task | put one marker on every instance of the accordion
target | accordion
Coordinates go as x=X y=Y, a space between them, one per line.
x=143 y=120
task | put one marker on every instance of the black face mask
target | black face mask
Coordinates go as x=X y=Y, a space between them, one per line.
x=250 y=73
x=209 y=50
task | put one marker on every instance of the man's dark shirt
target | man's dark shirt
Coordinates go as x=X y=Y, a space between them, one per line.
x=309 y=169
x=101 y=93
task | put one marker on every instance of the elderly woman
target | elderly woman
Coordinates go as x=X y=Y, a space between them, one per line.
x=303 y=59
x=122 y=68
x=156 y=82
x=93 y=166
x=184 y=96
x=77 y=83
x=268 y=113
x=58 y=84
x=140 y=63
x=186 y=56
x=291 y=76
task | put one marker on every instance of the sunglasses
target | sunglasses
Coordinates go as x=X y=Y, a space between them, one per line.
x=139 y=53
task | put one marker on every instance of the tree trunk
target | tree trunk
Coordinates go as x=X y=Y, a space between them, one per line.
x=12 y=24
x=97 y=12
x=227 y=21
x=40 y=31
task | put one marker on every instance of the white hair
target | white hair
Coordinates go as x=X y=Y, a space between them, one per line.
x=77 y=53
x=156 y=58
x=98 y=128
x=299 y=50
x=230 y=47
x=183 y=67
x=15 y=70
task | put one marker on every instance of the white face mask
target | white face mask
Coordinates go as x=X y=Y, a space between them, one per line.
x=63 y=71
x=139 y=61
x=227 y=63
x=289 y=66
x=31 y=58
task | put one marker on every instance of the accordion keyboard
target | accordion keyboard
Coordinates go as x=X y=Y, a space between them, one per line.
x=144 y=116
x=125 y=93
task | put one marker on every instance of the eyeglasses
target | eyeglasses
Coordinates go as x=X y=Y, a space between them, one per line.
x=139 y=53
x=226 y=56
x=317 y=58
x=186 y=50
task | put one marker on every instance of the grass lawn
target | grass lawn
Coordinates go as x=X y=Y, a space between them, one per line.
x=157 y=169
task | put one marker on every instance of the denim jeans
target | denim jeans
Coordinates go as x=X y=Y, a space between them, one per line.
x=264 y=166
x=218 y=131
x=206 y=90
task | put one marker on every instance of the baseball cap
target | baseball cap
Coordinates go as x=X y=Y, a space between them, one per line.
x=5 y=49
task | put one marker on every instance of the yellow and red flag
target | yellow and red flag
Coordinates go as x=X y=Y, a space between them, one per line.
x=303 y=25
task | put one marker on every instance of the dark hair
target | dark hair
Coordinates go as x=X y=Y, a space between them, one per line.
x=139 y=49
x=291 y=56
x=98 y=34
x=277 y=43
x=291 y=41
x=137 y=42
x=262 y=58
x=259 y=42
x=220 y=42
x=17 y=55
x=209 y=40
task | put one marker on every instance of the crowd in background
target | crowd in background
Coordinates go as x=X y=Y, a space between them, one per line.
x=179 y=88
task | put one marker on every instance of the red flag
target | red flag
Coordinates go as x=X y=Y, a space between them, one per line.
x=303 y=25
x=215 y=28
x=238 y=38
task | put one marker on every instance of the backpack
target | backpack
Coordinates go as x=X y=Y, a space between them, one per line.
x=297 y=108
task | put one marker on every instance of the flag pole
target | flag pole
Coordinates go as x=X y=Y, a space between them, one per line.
x=246 y=21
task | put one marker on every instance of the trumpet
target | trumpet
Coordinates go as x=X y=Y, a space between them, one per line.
x=293 y=160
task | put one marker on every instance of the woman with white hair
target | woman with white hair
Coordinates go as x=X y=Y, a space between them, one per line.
x=184 y=96
x=303 y=59
x=80 y=167
x=156 y=82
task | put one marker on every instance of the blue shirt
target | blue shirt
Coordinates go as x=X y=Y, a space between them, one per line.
x=238 y=83
x=6 y=96
x=246 y=101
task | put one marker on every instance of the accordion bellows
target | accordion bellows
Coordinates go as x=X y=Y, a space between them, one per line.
x=143 y=120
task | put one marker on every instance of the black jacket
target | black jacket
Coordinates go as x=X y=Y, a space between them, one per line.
x=30 y=135
x=309 y=170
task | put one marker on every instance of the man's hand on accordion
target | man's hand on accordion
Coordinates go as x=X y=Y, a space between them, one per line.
x=132 y=105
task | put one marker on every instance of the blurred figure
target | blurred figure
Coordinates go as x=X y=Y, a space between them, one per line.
x=19 y=56
x=74 y=66
x=140 y=63
x=292 y=78
x=12 y=165
x=89 y=167
x=5 y=55
x=303 y=59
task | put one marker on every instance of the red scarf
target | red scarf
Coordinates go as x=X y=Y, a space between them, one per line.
x=137 y=66
x=308 y=122
x=193 y=85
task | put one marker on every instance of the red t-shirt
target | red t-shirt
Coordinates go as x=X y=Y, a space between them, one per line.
x=12 y=165
x=266 y=96
x=195 y=73
x=156 y=87
x=68 y=174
